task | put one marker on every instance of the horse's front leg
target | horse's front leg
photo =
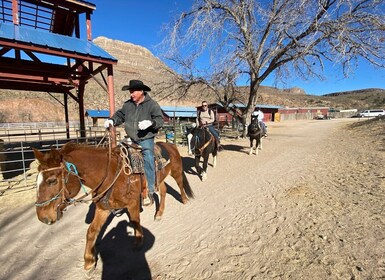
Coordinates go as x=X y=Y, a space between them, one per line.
x=92 y=234
x=162 y=202
x=251 y=146
x=133 y=207
x=197 y=160
x=189 y=137
x=260 y=143
x=204 y=167
x=214 y=161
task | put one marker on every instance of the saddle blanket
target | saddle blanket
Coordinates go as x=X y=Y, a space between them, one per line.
x=135 y=157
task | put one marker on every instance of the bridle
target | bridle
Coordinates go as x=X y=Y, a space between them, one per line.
x=196 y=138
x=70 y=168
x=61 y=193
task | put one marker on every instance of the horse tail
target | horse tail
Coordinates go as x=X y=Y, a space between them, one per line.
x=187 y=187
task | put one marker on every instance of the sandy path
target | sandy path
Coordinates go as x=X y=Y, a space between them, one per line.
x=309 y=206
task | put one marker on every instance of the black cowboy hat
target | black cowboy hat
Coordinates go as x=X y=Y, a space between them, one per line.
x=136 y=84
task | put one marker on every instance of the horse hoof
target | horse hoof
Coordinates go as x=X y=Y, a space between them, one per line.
x=90 y=273
x=204 y=177
x=157 y=218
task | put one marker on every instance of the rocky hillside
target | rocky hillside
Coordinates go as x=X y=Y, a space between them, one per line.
x=136 y=62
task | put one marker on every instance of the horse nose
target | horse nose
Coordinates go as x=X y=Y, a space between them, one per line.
x=47 y=221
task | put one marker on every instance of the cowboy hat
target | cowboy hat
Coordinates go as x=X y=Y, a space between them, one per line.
x=136 y=84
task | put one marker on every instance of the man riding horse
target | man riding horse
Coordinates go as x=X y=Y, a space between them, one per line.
x=206 y=118
x=259 y=114
x=142 y=117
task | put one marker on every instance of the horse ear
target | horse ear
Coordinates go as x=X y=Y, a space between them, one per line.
x=38 y=155
x=55 y=155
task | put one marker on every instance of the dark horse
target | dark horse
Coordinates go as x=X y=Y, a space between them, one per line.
x=113 y=186
x=254 y=131
x=201 y=143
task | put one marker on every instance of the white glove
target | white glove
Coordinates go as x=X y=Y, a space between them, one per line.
x=107 y=123
x=144 y=124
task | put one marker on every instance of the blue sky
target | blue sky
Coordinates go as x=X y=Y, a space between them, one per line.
x=140 y=23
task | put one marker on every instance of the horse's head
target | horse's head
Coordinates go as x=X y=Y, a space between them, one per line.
x=52 y=186
x=254 y=126
x=197 y=139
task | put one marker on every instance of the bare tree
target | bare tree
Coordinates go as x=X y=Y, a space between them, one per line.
x=250 y=40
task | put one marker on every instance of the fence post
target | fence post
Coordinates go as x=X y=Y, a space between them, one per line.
x=23 y=160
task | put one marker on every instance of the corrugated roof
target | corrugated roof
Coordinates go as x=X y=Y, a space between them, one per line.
x=30 y=36
x=179 y=111
x=181 y=114
x=178 y=108
x=266 y=106
x=98 y=113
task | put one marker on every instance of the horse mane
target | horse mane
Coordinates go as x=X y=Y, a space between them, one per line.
x=72 y=146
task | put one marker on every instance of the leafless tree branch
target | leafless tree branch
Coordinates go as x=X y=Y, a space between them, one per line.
x=252 y=40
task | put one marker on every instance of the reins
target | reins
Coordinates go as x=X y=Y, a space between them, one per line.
x=205 y=144
x=71 y=169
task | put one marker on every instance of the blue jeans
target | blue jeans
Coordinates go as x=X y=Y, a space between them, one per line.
x=214 y=132
x=263 y=126
x=149 y=163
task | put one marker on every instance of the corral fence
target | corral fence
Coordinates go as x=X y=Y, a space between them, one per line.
x=17 y=143
x=17 y=140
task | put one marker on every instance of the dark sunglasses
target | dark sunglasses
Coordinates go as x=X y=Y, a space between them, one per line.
x=204 y=105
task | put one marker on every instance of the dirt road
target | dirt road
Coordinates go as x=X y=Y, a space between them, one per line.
x=309 y=206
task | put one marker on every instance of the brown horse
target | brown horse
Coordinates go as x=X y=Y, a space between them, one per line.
x=114 y=186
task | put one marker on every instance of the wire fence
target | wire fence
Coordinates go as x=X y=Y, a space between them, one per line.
x=16 y=150
x=17 y=141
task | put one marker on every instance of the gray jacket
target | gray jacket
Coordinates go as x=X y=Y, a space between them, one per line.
x=131 y=114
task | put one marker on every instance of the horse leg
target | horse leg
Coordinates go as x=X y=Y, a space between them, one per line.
x=197 y=160
x=214 y=161
x=204 y=167
x=189 y=137
x=260 y=143
x=133 y=208
x=100 y=218
x=251 y=146
x=162 y=202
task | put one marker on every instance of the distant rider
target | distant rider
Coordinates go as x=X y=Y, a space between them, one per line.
x=259 y=114
x=206 y=118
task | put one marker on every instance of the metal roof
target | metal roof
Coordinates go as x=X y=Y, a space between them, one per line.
x=179 y=111
x=263 y=106
x=181 y=114
x=51 y=41
x=178 y=108
x=98 y=113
